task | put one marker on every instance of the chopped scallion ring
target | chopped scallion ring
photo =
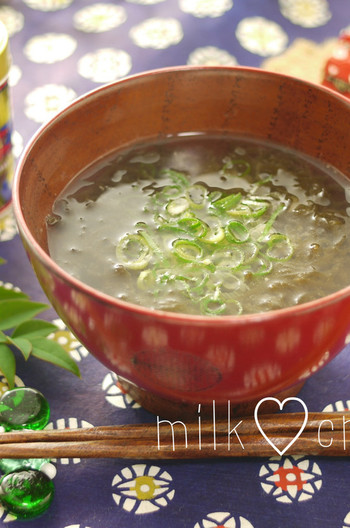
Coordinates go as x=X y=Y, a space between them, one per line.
x=236 y=232
x=187 y=250
x=212 y=305
x=177 y=206
x=133 y=252
x=146 y=280
x=260 y=266
x=197 y=195
x=215 y=234
x=249 y=250
x=172 y=191
x=228 y=280
x=279 y=247
x=194 y=226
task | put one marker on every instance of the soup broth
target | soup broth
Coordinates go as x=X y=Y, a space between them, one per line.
x=206 y=225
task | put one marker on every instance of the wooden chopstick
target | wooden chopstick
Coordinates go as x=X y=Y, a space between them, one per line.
x=270 y=423
x=254 y=446
x=204 y=440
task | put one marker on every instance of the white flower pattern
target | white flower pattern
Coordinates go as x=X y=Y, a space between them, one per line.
x=105 y=65
x=142 y=489
x=306 y=13
x=145 y=2
x=211 y=56
x=50 y=48
x=157 y=33
x=291 y=478
x=261 y=36
x=48 y=5
x=115 y=395
x=206 y=8
x=223 y=520
x=8 y=226
x=45 y=101
x=100 y=17
x=12 y=19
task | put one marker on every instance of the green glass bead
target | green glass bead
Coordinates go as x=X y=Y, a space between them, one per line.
x=26 y=493
x=23 y=408
x=8 y=465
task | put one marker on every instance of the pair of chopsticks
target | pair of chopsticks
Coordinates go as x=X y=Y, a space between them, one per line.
x=325 y=434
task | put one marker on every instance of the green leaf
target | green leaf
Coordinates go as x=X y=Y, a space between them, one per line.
x=34 y=328
x=14 y=312
x=2 y=261
x=24 y=345
x=51 y=351
x=3 y=337
x=6 y=293
x=7 y=365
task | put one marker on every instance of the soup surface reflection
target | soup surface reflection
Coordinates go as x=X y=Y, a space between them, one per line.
x=206 y=225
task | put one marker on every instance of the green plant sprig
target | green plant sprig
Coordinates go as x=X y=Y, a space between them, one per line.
x=21 y=331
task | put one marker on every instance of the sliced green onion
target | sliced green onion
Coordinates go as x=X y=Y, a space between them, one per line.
x=257 y=207
x=214 y=195
x=260 y=266
x=193 y=226
x=279 y=247
x=228 y=203
x=187 y=250
x=196 y=287
x=177 y=177
x=177 y=206
x=212 y=304
x=236 y=232
x=271 y=221
x=241 y=211
x=146 y=280
x=171 y=228
x=133 y=252
x=215 y=233
x=249 y=250
x=151 y=243
x=171 y=191
x=264 y=178
x=228 y=280
x=236 y=305
x=197 y=195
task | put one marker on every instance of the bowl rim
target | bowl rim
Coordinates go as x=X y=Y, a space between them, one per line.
x=104 y=298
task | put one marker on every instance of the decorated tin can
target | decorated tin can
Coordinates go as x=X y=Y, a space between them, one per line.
x=6 y=157
x=337 y=67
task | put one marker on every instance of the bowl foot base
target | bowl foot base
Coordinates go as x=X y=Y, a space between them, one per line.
x=176 y=410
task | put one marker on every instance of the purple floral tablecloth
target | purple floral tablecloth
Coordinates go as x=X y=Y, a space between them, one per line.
x=60 y=50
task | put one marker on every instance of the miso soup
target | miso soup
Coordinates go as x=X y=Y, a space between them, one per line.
x=208 y=225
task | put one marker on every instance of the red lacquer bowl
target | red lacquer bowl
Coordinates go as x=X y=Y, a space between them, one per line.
x=174 y=361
